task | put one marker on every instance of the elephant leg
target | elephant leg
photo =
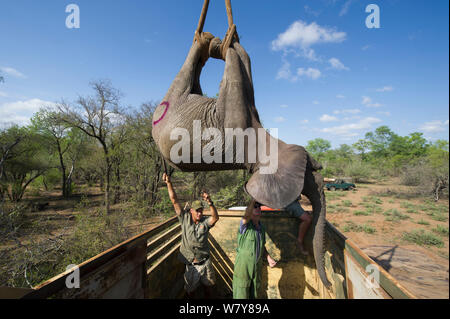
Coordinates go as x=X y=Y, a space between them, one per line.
x=313 y=189
x=187 y=80
x=233 y=101
x=245 y=59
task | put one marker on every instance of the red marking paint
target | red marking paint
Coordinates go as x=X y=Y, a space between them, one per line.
x=164 y=113
x=267 y=209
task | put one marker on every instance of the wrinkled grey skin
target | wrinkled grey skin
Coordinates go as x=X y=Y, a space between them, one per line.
x=235 y=108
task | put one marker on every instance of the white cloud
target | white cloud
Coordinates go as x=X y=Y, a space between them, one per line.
x=301 y=35
x=351 y=118
x=284 y=106
x=340 y=96
x=20 y=112
x=310 y=73
x=279 y=119
x=347 y=111
x=3 y=94
x=328 y=118
x=13 y=72
x=310 y=11
x=316 y=102
x=364 y=48
x=385 y=89
x=384 y=113
x=345 y=8
x=367 y=101
x=348 y=129
x=434 y=126
x=338 y=65
x=285 y=72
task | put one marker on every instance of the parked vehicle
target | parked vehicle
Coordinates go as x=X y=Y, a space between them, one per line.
x=340 y=184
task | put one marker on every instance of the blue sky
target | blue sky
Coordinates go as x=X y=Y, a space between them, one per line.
x=318 y=70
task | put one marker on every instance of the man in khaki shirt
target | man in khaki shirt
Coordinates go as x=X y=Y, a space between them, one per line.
x=194 y=250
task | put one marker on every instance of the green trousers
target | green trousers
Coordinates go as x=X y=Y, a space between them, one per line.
x=246 y=276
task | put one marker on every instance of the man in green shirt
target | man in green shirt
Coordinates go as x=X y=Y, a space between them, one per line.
x=250 y=252
x=194 y=250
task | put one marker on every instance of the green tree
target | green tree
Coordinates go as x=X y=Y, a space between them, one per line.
x=144 y=168
x=55 y=134
x=407 y=149
x=98 y=116
x=318 y=146
x=25 y=162
x=362 y=147
x=380 y=141
x=345 y=151
x=438 y=159
x=9 y=139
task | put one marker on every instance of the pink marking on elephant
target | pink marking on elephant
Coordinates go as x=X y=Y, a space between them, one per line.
x=164 y=113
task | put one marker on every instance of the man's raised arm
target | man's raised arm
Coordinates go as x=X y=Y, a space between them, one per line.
x=172 y=195
x=214 y=215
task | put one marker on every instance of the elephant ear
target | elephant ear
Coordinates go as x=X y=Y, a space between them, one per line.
x=281 y=188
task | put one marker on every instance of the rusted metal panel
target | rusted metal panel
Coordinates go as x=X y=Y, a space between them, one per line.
x=165 y=278
x=223 y=267
x=129 y=287
x=118 y=278
x=359 y=283
x=156 y=241
x=154 y=256
x=57 y=284
x=389 y=284
x=13 y=293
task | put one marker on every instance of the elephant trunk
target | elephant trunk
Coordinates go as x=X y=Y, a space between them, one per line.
x=318 y=245
x=315 y=194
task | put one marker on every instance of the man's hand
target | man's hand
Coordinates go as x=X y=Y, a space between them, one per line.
x=205 y=197
x=214 y=215
x=166 y=178
x=271 y=261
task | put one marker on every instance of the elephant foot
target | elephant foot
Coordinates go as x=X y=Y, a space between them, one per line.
x=218 y=48
x=204 y=40
x=215 y=48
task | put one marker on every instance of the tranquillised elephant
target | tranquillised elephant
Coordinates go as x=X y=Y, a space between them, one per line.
x=191 y=133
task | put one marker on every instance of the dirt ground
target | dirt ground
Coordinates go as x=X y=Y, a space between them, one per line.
x=374 y=218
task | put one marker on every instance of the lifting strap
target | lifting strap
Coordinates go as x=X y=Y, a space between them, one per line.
x=201 y=21
x=231 y=32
